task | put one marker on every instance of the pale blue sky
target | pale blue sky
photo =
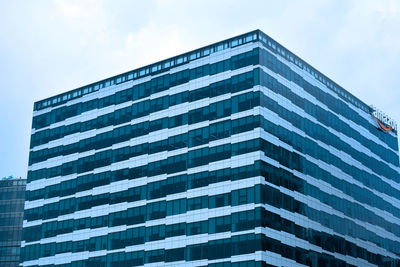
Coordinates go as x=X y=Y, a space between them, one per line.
x=49 y=47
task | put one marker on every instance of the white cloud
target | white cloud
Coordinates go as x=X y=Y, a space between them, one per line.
x=50 y=47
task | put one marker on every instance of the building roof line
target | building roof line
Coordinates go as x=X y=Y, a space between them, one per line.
x=184 y=58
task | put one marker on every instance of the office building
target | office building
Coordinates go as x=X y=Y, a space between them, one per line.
x=12 y=197
x=235 y=154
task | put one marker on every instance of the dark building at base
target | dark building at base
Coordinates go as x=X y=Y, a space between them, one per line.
x=12 y=197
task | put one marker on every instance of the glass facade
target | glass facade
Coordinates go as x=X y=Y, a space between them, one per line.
x=12 y=196
x=235 y=154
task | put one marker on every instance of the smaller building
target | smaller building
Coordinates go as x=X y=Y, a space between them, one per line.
x=12 y=197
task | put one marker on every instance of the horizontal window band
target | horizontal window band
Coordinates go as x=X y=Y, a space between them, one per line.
x=198 y=56
x=147 y=88
x=286 y=76
x=276 y=156
x=309 y=168
x=319 y=133
x=80 y=147
x=274 y=197
x=141 y=235
x=270 y=61
x=211 y=91
x=353 y=136
x=138 y=193
x=310 y=147
x=325 y=117
x=141 y=214
x=368 y=164
x=221 y=152
x=236 y=222
x=138 y=111
x=360 y=192
x=237 y=104
x=301 y=138
x=264 y=194
x=216 y=249
x=213 y=133
x=217 y=131
x=135 y=259
x=238 y=244
x=129 y=146
x=273 y=174
x=295 y=161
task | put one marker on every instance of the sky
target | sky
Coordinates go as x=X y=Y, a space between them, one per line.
x=50 y=47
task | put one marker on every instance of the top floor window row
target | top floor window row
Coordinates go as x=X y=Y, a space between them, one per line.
x=149 y=70
x=278 y=49
x=202 y=52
